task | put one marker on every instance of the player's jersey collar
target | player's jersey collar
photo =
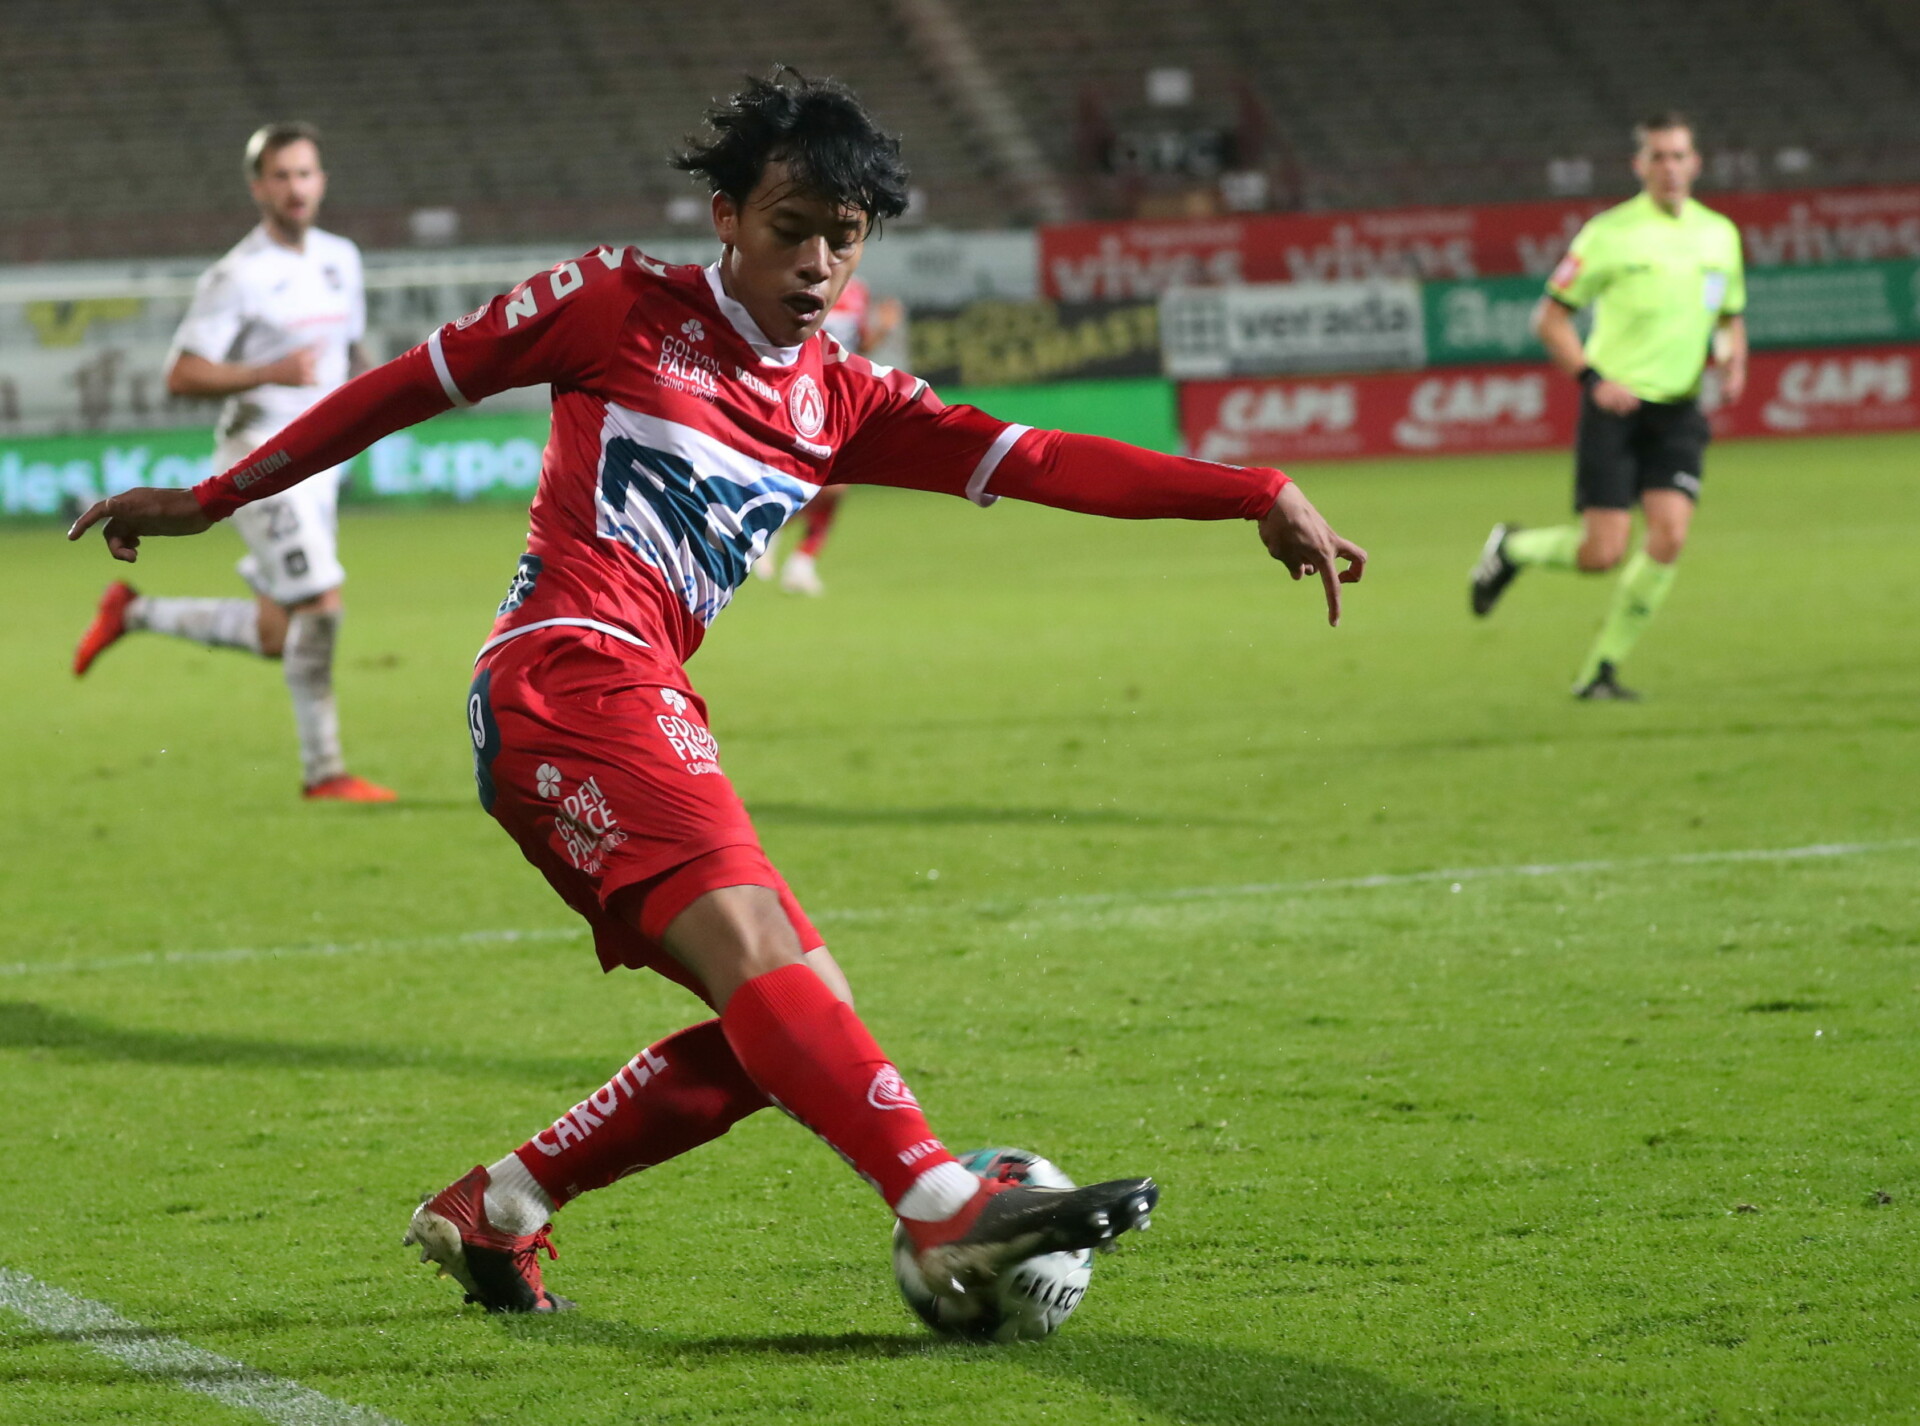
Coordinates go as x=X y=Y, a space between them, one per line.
x=259 y=240
x=741 y=322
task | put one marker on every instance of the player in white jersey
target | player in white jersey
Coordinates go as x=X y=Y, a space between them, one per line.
x=275 y=325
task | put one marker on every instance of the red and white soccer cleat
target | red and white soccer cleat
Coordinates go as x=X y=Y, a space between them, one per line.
x=348 y=788
x=109 y=624
x=1007 y=1222
x=499 y=1272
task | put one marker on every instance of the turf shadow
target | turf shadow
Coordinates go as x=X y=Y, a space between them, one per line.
x=1237 y=1386
x=25 y=1024
x=661 y=1348
x=1188 y=1382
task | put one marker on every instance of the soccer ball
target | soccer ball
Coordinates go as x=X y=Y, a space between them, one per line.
x=1031 y=1299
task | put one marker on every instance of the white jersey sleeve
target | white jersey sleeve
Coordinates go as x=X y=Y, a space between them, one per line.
x=215 y=318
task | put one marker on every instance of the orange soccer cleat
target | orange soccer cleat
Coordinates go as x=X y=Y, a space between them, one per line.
x=109 y=623
x=348 y=788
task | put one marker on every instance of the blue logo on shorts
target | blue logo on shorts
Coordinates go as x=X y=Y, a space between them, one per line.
x=485 y=734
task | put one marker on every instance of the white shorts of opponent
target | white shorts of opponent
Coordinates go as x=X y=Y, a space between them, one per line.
x=292 y=537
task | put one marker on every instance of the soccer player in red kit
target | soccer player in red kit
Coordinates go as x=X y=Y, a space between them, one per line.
x=694 y=411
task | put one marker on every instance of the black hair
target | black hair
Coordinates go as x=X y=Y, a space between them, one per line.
x=818 y=128
x=1659 y=123
x=269 y=138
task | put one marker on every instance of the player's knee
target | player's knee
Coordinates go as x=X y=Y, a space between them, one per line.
x=821 y=960
x=1599 y=556
x=1664 y=546
x=729 y=936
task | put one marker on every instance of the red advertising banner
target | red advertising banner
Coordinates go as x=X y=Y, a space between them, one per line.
x=1085 y=262
x=1817 y=393
x=1277 y=420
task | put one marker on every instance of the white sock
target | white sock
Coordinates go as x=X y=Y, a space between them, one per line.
x=516 y=1204
x=217 y=623
x=938 y=1193
x=307 y=662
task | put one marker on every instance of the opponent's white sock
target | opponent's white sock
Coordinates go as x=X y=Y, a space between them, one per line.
x=307 y=662
x=516 y=1204
x=217 y=623
x=938 y=1194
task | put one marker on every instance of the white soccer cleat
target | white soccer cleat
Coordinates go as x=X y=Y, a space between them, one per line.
x=799 y=576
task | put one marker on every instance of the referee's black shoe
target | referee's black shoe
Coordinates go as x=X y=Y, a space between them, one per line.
x=1493 y=572
x=1604 y=687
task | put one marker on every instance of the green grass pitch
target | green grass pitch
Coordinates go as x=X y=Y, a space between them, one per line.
x=1085 y=810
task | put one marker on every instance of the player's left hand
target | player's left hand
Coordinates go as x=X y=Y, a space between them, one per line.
x=1733 y=382
x=1296 y=534
x=144 y=510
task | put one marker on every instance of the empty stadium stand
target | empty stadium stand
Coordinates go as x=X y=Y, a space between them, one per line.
x=121 y=120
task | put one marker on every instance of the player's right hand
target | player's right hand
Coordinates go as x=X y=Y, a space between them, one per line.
x=144 y=510
x=1300 y=538
x=1612 y=396
x=301 y=368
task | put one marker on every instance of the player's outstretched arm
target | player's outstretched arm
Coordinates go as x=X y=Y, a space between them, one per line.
x=402 y=393
x=960 y=450
x=566 y=339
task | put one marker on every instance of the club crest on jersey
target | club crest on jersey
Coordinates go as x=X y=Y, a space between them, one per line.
x=807 y=407
x=889 y=1091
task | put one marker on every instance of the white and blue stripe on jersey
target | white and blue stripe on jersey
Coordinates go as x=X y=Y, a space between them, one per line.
x=696 y=509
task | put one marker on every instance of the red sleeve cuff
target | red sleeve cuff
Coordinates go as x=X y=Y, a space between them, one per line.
x=208 y=494
x=1261 y=501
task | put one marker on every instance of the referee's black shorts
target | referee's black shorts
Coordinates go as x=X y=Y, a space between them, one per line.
x=1661 y=445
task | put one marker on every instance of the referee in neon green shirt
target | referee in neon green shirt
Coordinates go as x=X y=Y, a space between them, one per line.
x=1664 y=278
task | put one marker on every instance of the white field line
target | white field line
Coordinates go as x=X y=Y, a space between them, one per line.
x=94 y=1324
x=1102 y=900
x=378 y=946
x=1047 y=907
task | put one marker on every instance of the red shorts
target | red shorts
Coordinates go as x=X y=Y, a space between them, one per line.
x=597 y=760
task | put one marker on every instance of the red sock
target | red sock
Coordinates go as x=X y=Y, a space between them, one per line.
x=819 y=519
x=810 y=1054
x=669 y=1098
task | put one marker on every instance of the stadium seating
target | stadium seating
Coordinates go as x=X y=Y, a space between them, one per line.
x=121 y=120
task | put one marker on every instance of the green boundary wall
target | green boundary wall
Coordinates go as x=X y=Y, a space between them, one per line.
x=469 y=456
x=1486 y=319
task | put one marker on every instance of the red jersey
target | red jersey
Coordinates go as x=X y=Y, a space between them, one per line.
x=683 y=439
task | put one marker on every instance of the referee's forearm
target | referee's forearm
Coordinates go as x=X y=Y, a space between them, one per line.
x=1553 y=324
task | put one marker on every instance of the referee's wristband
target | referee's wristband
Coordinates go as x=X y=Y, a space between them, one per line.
x=1587 y=377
